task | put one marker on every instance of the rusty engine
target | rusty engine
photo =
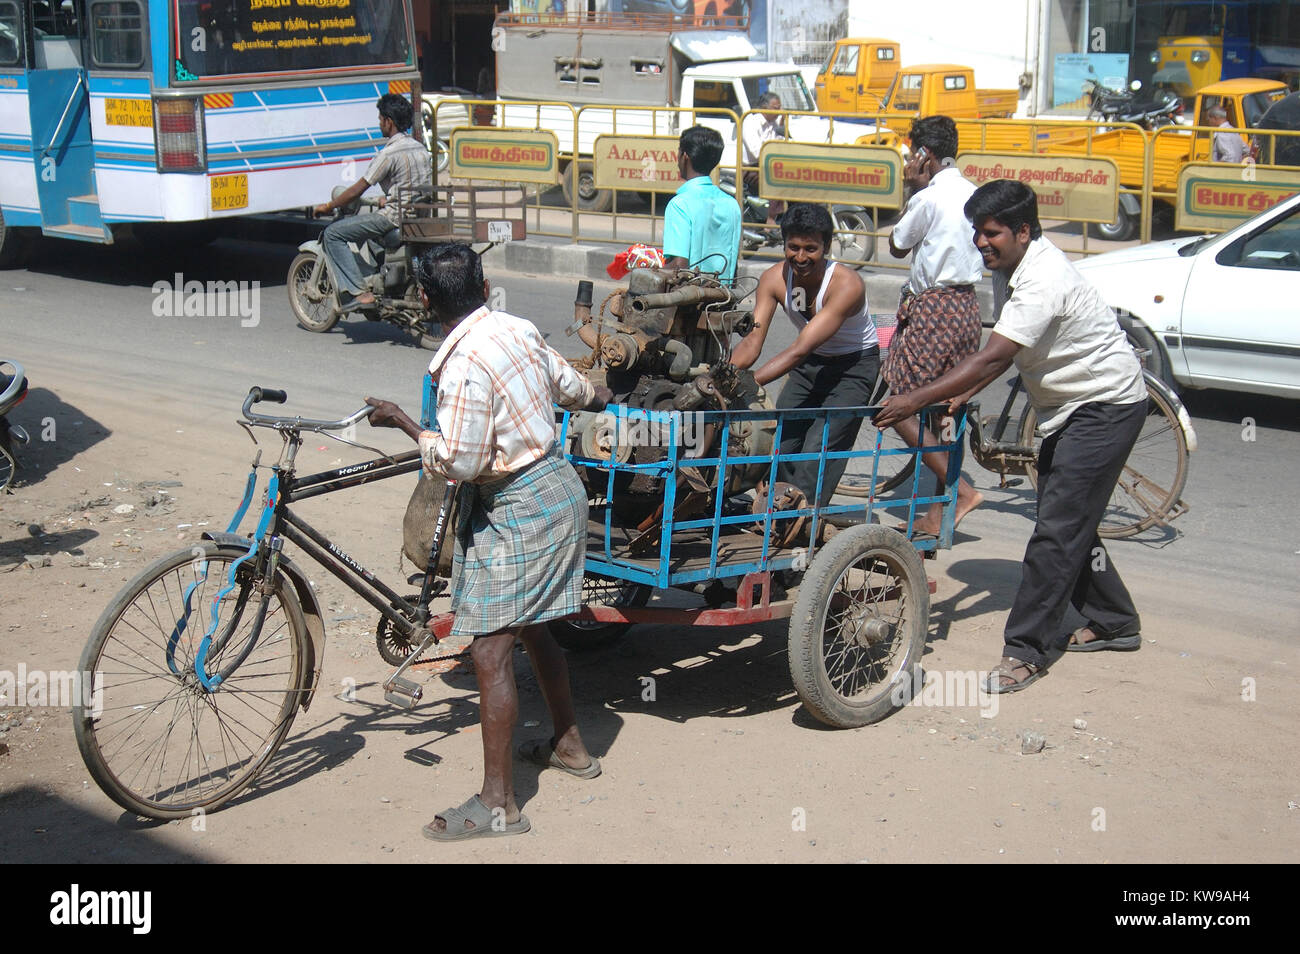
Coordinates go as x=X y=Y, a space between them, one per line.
x=663 y=344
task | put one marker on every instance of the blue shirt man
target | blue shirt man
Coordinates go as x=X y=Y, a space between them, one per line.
x=701 y=222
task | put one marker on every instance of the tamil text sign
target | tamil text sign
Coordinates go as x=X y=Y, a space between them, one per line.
x=510 y=155
x=852 y=175
x=1217 y=196
x=636 y=163
x=1079 y=188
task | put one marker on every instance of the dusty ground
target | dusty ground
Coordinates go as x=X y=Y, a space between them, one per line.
x=1149 y=756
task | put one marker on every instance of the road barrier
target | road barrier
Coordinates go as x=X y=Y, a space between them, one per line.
x=604 y=173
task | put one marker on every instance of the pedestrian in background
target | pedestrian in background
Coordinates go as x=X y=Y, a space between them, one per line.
x=938 y=314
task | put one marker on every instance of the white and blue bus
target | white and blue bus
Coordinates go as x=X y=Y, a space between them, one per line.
x=156 y=111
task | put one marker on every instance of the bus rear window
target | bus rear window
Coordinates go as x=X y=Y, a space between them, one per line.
x=11 y=32
x=232 y=37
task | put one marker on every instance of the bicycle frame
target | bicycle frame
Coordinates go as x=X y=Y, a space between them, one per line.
x=277 y=523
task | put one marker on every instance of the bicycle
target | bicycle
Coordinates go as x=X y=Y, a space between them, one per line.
x=207 y=655
x=1148 y=493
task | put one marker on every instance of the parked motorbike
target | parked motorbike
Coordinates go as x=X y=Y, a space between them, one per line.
x=313 y=287
x=13 y=389
x=851 y=243
x=1123 y=106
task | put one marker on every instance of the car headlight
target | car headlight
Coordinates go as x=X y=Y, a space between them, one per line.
x=1201 y=56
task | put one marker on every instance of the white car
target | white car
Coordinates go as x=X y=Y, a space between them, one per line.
x=1219 y=311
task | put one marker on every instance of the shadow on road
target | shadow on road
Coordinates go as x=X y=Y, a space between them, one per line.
x=1234 y=407
x=59 y=432
x=45 y=829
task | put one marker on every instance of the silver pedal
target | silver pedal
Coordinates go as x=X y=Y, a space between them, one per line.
x=403 y=692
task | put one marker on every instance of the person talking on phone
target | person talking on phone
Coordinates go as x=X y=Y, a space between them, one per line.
x=938 y=313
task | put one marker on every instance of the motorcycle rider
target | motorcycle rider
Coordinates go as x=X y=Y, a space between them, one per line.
x=403 y=163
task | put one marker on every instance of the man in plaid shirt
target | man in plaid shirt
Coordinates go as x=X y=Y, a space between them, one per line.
x=521 y=533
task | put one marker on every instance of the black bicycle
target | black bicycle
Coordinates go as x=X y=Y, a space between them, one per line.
x=203 y=660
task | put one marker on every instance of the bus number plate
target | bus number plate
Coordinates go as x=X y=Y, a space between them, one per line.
x=128 y=112
x=229 y=192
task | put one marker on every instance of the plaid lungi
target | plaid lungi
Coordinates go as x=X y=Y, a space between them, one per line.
x=521 y=543
x=936 y=330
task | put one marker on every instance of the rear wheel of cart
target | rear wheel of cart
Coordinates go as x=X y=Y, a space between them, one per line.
x=578 y=636
x=859 y=626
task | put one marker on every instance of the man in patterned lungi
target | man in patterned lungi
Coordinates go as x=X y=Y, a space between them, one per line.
x=521 y=534
x=938 y=315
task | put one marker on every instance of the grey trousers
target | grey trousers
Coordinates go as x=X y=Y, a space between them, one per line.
x=1065 y=562
x=842 y=381
x=352 y=228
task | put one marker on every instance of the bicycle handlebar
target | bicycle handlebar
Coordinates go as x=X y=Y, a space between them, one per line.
x=276 y=396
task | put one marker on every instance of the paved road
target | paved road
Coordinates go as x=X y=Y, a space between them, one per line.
x=1184 y=769
x=91 y=312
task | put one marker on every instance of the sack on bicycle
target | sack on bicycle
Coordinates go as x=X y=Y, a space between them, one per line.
x=419 y=521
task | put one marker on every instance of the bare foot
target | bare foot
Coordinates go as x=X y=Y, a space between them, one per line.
x=1081 y=636
x=933 y=519
x=365 y=298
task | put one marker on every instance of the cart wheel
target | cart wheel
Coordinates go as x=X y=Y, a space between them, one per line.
x=576 y=636
x=859 y=626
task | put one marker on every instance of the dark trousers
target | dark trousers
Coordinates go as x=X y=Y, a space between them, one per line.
x=842 y=381
x=1065 y=561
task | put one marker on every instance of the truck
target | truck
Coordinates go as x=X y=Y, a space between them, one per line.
x=856 y=75
x=943 y=88
x=1246 y=101
x=634 y=72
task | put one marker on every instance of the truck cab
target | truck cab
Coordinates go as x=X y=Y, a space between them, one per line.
x=856 y=75
x=943 y=88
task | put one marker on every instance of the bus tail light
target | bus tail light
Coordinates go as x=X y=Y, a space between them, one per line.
x=178 y=135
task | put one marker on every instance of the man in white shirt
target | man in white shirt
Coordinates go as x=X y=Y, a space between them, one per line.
x=938 y=314
x=404 y=164
x=1228 y=145
x=1086 y=384
x=760 y=127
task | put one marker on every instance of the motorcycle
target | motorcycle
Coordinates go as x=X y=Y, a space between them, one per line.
x=13 y=389
x=853 y=244
x=313 y=287
x=1123 y=106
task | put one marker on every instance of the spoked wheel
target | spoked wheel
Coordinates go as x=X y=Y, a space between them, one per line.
x=157 y=742
x=580 y=636
x=859 y=626
x=1151 y=485
x=8 y=463
x=315 y=305
x=872 y=476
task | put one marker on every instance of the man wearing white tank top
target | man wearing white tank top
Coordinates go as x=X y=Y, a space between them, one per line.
x=834 y=360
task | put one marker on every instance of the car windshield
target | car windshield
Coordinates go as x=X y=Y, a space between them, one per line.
x=789 y=86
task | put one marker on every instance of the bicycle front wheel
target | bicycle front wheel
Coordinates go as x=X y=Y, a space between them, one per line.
x=157 y=742
x=1152 y=481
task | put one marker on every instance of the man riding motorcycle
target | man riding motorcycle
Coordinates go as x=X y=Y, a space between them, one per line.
x=403 y=163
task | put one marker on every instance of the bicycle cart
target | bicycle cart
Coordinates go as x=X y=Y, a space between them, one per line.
x=203 y=660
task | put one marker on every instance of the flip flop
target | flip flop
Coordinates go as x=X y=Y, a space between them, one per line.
x=542 y=752
x=486 y=825
x=1007 y=667
x=1124 y=644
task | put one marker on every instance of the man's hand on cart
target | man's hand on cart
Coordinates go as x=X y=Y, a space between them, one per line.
x=898 y=407
x=732 y=381
x=603 y=397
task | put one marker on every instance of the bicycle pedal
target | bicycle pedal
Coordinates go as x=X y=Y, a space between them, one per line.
x=403 y=692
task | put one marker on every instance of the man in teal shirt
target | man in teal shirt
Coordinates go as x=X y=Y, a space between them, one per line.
x=701 y=222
